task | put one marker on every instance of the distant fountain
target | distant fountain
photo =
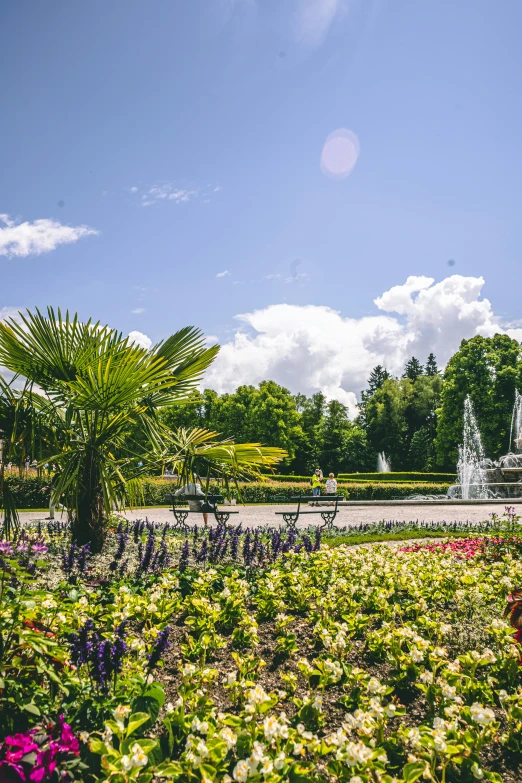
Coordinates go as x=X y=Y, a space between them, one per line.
x=470 y=467
x=515 y=435
x=383 y=465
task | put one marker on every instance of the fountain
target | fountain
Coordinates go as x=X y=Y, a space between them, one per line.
x=481 y=478
x=383 y=465
x=470 y=470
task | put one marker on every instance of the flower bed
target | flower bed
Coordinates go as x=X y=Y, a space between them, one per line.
x=260 y=658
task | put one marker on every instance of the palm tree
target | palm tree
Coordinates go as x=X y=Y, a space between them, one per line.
x=87 y=386
x=199 y=452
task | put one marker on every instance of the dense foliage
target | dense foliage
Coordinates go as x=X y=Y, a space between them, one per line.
x=416 y=420
x=255 y=656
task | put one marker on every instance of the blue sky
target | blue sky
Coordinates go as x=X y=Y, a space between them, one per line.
x=189 y=136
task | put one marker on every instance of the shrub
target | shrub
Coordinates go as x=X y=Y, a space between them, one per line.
x=33 y=492
x=437 y=478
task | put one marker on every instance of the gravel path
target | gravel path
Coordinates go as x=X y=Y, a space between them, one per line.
x=348 y=516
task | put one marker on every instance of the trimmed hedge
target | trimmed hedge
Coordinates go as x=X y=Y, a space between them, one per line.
x=157 y=491
x=33 y=492
x=437 y=478
x=29 y=491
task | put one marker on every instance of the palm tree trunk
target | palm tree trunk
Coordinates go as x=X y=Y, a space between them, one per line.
x=90 y=524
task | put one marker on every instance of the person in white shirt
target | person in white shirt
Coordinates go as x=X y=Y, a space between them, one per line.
x=331 y=485
x=194 y=488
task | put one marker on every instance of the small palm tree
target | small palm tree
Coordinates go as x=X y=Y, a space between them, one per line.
x=200 y=452
x=87 y=386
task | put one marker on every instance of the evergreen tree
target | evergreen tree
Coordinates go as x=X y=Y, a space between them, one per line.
x=413 y=369
x=431 y=365
x=378 y=375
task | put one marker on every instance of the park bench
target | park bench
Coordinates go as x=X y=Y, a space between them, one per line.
x=328 y=516
x=181 y=512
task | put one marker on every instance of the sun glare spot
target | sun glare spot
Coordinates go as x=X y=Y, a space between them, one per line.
x=340 y=153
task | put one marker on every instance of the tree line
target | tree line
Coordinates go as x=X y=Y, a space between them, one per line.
x=415 y=419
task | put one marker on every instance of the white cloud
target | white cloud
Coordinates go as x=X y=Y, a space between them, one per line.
x=167 y=192
x=225 y=273
x=40 y=236
x=140 y=339
x=313 y=19
x=138 y=310
x=311 y=348
x=10 y=312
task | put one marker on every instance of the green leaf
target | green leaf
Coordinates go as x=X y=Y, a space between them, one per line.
x=155 y=691
x=97 y=746
x=136 y=720
x=169 y=769
x=32 y=708
x=413 y=771
x=149 y=705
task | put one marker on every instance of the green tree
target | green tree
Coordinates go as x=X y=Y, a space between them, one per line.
x=385 y=420
x=273 y=418
x=422 y=451
x=489 y=369
x=431 y=365
x=333 y=437
x=378 y=375
x=413 y=369
x=312 y=411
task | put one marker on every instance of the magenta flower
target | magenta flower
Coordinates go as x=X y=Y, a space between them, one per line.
x=45 y=765
x=22 y=744
x=6 y=548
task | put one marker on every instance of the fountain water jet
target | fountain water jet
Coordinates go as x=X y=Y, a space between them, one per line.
x=383 y=465
x=470 y=467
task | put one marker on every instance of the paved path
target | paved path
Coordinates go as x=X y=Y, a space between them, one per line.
x=348 y=516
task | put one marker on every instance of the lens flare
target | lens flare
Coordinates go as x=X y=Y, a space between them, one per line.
x=340 y=153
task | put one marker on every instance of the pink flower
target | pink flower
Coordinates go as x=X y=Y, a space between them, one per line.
x=23 y=744
x=45 y=766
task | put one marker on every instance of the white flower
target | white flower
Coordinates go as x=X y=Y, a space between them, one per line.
x=241 y=770
x=169 y=707
x=49 y=603
x=139 y=758
x=266 y=767
x=228 y=736
x=107 y=735
x=121 y=712
x=188 y=670
x=126 y=763
x=280 y=761
x=374 y=686
x=198 y=725
x=482 y=715
x=426 y=677
x=317 y=703
x=476 y=771
x=84 y=736
x=83 y=601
